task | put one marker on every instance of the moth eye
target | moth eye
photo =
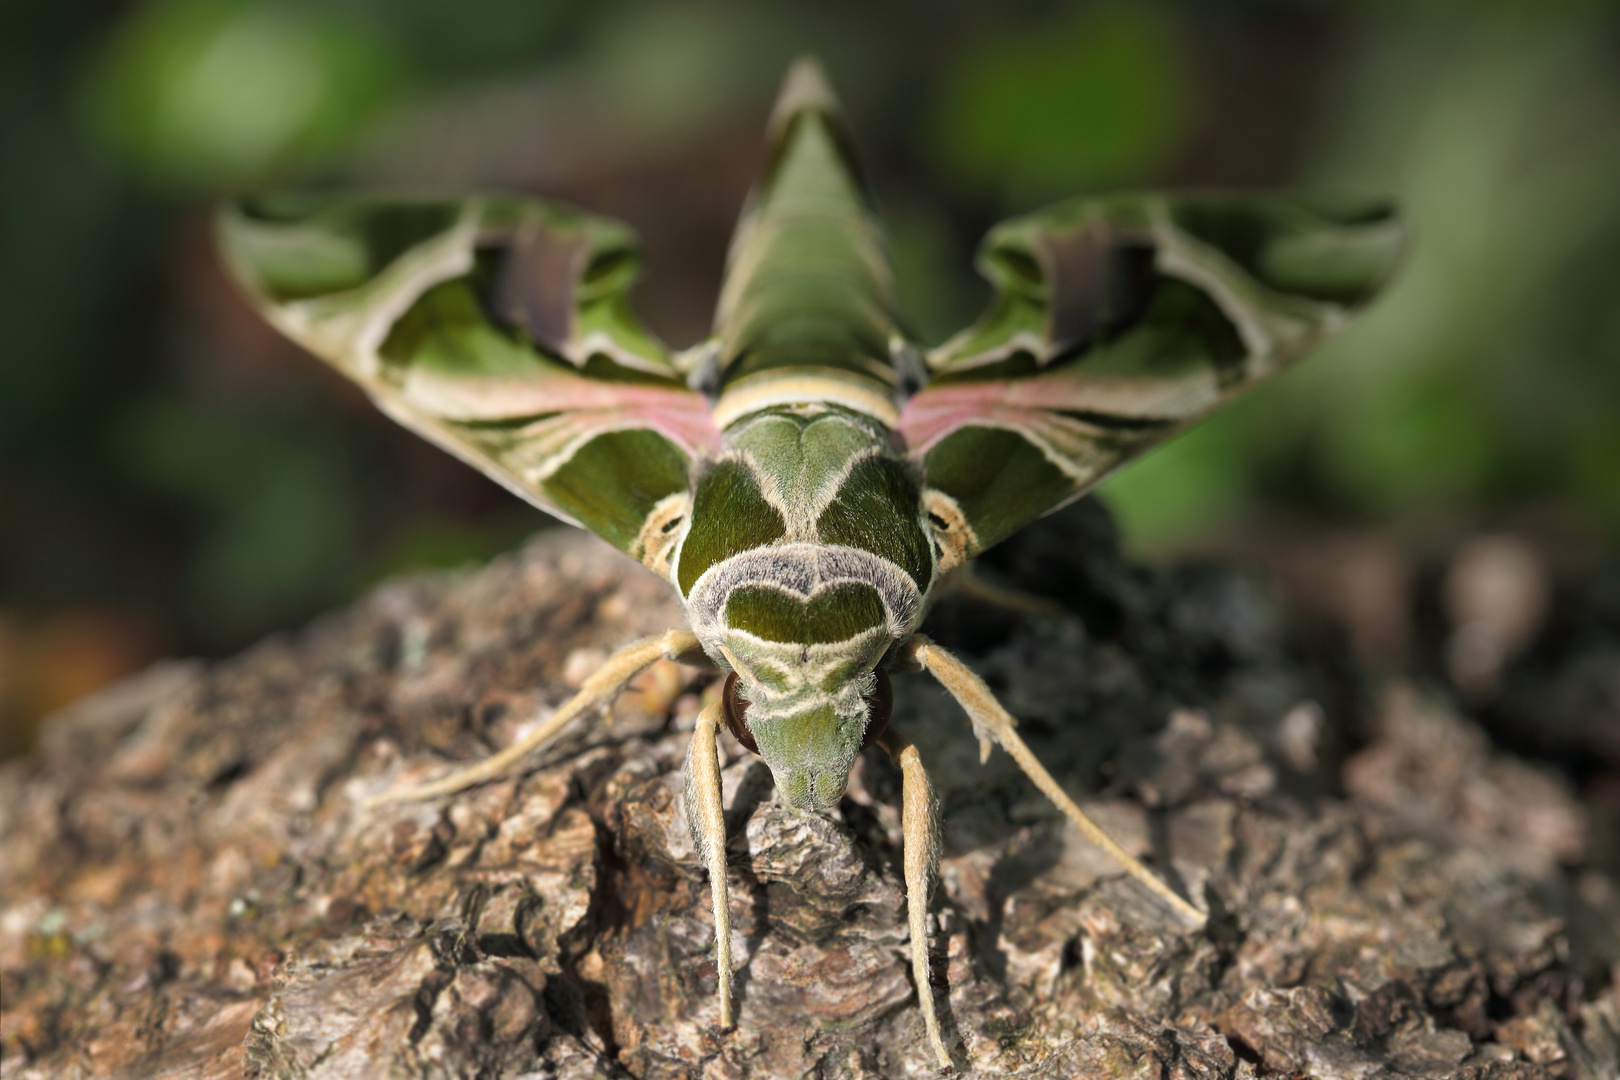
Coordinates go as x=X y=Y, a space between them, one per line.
x=735 y=708
x=672 y=524
x=879 y=704
x=937 y=522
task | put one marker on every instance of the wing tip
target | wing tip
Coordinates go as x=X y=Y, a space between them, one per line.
x=805 y=88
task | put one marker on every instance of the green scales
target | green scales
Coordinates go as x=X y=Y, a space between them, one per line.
x=807 y=476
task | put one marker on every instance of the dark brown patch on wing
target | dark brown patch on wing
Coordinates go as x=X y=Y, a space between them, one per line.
x=1099 y=281
x=533 y=288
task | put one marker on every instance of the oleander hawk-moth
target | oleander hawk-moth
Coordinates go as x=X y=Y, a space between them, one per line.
x=806 y=476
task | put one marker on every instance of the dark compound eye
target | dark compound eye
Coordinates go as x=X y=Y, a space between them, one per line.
x=736 y=710
x=879 y=704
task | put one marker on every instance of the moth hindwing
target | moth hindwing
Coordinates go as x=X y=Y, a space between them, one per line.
x=806 y=501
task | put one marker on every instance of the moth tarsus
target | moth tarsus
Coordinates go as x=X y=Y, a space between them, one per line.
x=994 y=724
x=919 y=824
x=706 y=815
x=806 y=476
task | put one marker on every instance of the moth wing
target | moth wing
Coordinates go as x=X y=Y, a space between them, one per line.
x=500 y=329
x=1115 y=323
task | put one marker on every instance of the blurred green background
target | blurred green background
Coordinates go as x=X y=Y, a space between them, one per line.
x=175 y=479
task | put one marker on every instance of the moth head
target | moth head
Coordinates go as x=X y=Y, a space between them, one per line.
x=810 y=749
x=804 y=628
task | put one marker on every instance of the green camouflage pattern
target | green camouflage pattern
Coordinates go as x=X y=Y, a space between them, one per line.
x=806 y=476
x=1117 y=322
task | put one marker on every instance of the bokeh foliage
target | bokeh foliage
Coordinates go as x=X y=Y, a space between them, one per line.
x=1490 y=376
x=167 y=464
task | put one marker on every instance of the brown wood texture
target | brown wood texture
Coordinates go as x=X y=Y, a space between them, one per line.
x=190 y=886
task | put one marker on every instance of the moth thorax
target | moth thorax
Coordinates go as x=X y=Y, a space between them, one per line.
x=879 y=705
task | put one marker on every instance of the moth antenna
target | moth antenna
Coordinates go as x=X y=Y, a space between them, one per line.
x=603 y=685
x=965 y=580
x=991 y=721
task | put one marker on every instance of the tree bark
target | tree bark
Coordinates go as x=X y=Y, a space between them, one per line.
x=192 y=887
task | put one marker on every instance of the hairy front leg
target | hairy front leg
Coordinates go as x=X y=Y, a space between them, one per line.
x=599 y=689
x=992 y=723
x=966 y=581
x=705 y=813
x=919 y=823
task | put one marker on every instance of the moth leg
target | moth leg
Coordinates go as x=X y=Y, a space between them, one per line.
x=599 y=689
x=706 y=816
x=919 y=822
x=966 y=581
x=991 y=722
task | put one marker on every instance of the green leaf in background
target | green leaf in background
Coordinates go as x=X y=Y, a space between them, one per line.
x=286 y=542
x=216 y=92
x=447 y=545
x=281 y=509
x=1585 y=312
x=456 y=40
x=1099 y=99
x=1191 y=485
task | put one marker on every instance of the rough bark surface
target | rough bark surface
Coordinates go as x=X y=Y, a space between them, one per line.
x=191 y=887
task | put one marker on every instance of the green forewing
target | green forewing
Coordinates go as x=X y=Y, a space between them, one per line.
x=616 y=479
x=499 y=328
x=1115 y=323
x=996 y=475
